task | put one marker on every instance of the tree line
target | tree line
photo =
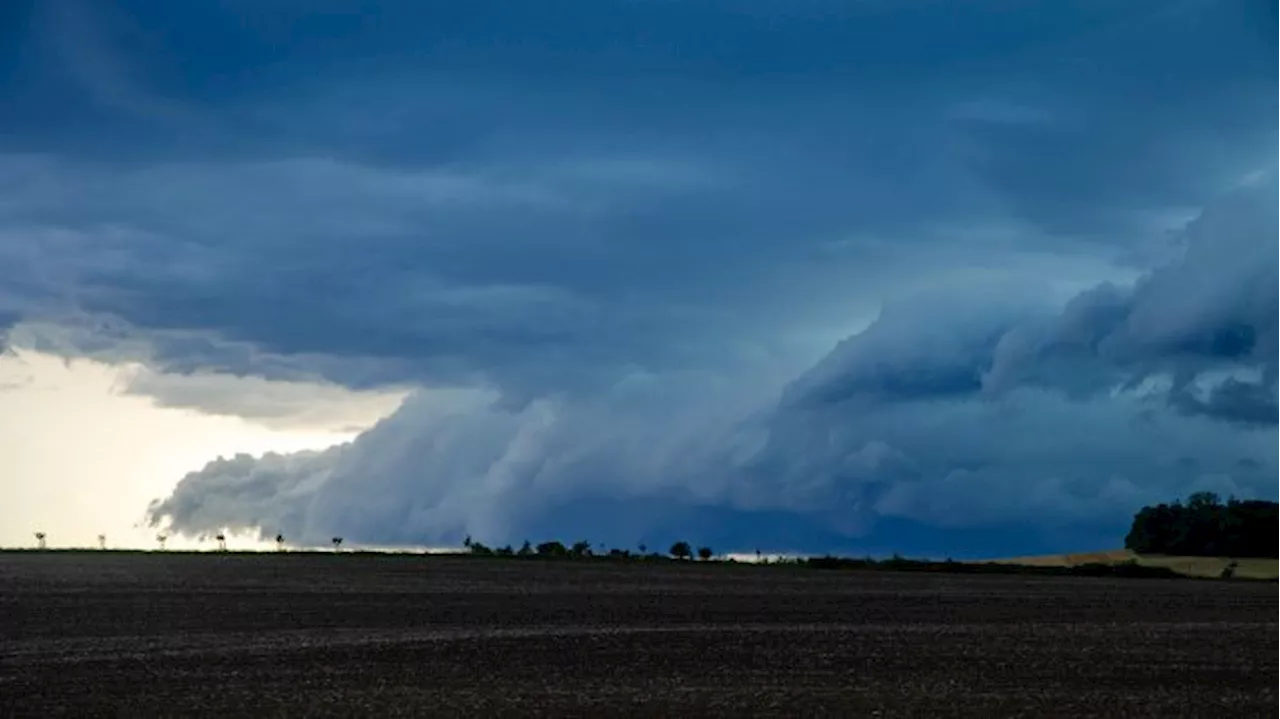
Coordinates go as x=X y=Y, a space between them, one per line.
x=584 y=550
x=1206 y=527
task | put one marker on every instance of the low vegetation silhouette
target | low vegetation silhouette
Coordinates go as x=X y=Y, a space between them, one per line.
x=1201 y=527
x=1206 y=527
x=681 y=550
x=1131 y=569
x=581 y=550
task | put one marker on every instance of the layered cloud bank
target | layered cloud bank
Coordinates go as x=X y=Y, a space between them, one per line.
x=814 y=275
x=986 y=408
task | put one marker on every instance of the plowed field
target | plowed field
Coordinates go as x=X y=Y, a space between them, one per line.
x=348 y=635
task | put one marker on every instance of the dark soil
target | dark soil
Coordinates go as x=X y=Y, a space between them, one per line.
x=141 y=635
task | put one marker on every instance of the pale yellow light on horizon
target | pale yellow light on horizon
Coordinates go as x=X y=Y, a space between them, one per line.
x=79 y=458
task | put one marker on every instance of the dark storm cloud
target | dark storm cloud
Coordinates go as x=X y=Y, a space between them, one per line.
x=968 y=410
x=628 y=160
x=548 y=205
x=1249 y=402
x=903 y=422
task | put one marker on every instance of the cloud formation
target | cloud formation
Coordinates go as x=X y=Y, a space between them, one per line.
x=954 y=411
x=609 y=248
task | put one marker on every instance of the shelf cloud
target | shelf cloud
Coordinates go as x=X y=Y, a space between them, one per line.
x=897 y=275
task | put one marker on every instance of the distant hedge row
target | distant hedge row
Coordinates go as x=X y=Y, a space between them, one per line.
x=1205 y=527
x=583 y=550
x=1129 y=569
x=682 y=551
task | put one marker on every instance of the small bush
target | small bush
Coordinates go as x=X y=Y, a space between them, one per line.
x=553 y=550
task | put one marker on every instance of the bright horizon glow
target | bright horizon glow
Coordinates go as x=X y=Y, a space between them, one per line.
x=84 y=458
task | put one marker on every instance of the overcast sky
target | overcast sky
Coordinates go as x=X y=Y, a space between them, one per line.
x=895 y=275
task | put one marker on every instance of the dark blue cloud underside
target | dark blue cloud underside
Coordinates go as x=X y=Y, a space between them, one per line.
x=620 y=216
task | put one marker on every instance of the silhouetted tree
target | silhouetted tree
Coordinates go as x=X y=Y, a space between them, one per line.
x=526 y=550
x=1206 y=527
x=580 y=549
x=161 y=539
x=704 y=553
x=279 y=542
x=644 y=548
x=102 y=542
x=40 y=543
x=681 y=550
x=552 y=549
x=337 y=544
x=222 y=541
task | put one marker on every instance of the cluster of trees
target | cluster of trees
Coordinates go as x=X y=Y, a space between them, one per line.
x=583 y=550
x=1206 y=527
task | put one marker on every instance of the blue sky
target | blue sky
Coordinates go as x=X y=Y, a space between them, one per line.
x=955 y=278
